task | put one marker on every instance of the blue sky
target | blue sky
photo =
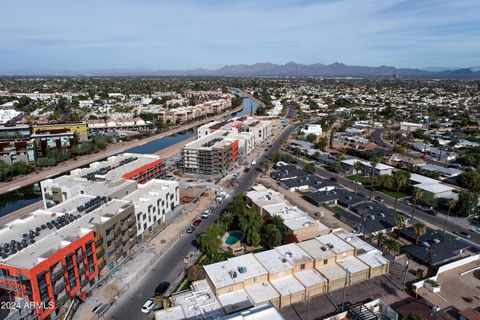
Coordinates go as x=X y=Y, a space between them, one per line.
x=177 y=34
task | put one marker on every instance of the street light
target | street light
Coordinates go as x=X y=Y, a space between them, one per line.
x=405 y=277
x=347 y=275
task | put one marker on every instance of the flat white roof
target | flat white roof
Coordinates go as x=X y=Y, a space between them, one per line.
x=199 y=302
x=355 y=241
x=172 y=313
x=379 y=166
x=373 y=259
x=352 y=264
x=287 y=285
x=234 y=270
x=422 y=179
x=433 y=188
x=310 y=278
x=335 y=244
x=294 y=254
x=303 y=222
x=316 y=249
x=235 y=301
x=273 y=261
x=262 y=312
x=332 y=272
x=261 y=292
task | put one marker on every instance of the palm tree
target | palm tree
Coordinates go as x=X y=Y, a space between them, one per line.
x=451 y=204
x=399 y=225
x=400 y=181
x=266 y=165
x=420 y=230
x=340 y=154
x=373 y=163
x=358 y=167
x=392 y=245
x=380 y=238
x=417 y=193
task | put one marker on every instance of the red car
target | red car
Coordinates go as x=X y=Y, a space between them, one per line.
x=197 y=222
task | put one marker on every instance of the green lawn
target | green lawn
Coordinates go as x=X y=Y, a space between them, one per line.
x=393 y=194
x=363 y=180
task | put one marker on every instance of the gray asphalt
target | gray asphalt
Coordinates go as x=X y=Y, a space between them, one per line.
x=170 y=266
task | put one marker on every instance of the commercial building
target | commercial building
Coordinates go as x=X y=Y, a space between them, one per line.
x=115 y=178
x=78 y=128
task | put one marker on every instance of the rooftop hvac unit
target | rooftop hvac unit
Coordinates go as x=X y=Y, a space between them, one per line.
x=288 y=254
x=330 y=245
x=242 y=269
x=323 y=248
x=233 y=274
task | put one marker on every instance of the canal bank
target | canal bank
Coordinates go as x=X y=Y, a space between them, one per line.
x=25 y=191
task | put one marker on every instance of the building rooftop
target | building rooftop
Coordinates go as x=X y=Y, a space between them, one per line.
x=235 y=301
x=261 y=292
x=310 y=278
x=217 y=139
x=294 y=254
x=335 y=244
x=332 y=272
x=434 y=188
x=262 y=312
x=379 y=166
x=316 y=250
x=373 y=259
x=234 y=270
x=360 y=245
x=273 y=261
x=287 y=285
x=304 y=222
x=352 y=264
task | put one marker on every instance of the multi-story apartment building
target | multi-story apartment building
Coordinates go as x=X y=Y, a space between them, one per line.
x=294 y=272
x=49 y=258
x=16 y=144
x=78 y=128
x=115 y=178
x=153 y=201
x=212 y=154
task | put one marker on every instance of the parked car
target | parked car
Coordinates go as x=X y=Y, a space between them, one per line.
x=189 y=257
x=190 y=229
x=148 y=305
x=462 y=234
x=197 y=222
x=162 y=288
x=476 y=230
x=432 y=212
x=378 y=199
x=407 y=202
x=205 y=214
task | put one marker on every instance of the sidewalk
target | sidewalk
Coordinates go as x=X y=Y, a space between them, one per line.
x=131 y=272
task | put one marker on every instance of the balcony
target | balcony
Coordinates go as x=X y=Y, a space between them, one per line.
x=124 y=227
x=99 y=243
x=109 y=236
x=100 y=252
x=117 y=232
x=132 y=232
x=81 y=268
x=131 y=222
x=60 y=285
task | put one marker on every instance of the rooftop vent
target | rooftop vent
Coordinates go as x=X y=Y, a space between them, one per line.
x=288 y=254
x=233 y=274
x=242 y=269
x=329 y=245
x=323 y=248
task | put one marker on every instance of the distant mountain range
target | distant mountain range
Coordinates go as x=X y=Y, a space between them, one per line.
x=290 y=69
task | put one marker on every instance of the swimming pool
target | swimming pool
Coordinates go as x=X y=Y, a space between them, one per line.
x=233 y=237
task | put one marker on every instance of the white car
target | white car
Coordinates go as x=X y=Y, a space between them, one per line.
x=189 y=257
x=148 y=305
x=205 y=214
x=476 y=230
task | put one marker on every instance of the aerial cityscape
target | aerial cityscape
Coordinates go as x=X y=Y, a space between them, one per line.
x=254 y=160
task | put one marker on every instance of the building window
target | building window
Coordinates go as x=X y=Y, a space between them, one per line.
x=325 y=261
x=302 y=266
x=254 y=279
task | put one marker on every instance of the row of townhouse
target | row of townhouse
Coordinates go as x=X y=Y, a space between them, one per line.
x=294 y=272
x=93 y=219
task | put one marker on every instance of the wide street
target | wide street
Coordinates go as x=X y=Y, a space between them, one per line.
x=170 y=267
x=421 y=215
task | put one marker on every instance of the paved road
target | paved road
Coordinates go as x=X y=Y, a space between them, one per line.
x=438 y=220
x=169 y=267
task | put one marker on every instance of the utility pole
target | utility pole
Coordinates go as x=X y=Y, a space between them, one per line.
x=347 y=275
x=405 y=277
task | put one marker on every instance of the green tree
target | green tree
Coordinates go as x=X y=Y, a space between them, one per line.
x=380 y=237
x=420 y=229
x=451 y=204
x=6 y=171
x=278 y=222
x=266 y=165
x=400 y=181
x=392 y=245
x=251 y=223
x=210 y=240
x=309 y=167
x=374 y=161
x=336 y=166
x=322 y=143
x=311 y=138
x=358 y=168
x=271 y=236
x=467 y=204
x=470 y=180
x=21 y=168
x=83 y=148
x=399 y=225
x=101 y=142
x=417 y=194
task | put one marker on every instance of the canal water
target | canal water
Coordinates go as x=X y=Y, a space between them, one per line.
x=21 y=197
